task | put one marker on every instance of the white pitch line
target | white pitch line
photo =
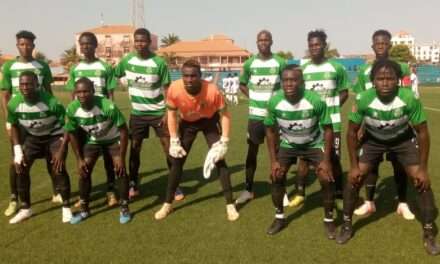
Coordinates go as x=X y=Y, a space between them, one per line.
x=432 y=109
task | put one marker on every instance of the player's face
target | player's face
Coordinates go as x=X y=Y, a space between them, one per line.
x=316 y=48
x=84 y=93
x=28 y=86
x=381 y=46
x=141 y=43
x=191 y=79
x=25 y=47
x=87 y=46
x=292 y=81
x=386 y=82
x=264 y=43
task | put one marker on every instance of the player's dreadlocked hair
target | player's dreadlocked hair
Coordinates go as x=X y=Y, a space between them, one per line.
x=25 y=35
x=388 y=64
x=381 y=32
x=318 y=33
x=91 y=36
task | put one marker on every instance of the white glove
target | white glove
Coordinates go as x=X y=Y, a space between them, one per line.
x=8 y=126
x=18 y=154
x=220 y=148
x=209 y=164
x=176 y=150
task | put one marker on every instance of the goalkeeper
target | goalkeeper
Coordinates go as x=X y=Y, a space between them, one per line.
x=202 y=108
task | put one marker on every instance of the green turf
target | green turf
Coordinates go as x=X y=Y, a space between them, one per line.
x=198 y=232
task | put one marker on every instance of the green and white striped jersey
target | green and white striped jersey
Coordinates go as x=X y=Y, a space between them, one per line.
x=387 y=122
x=363 y=81
x=300 y=124
x=43 y=118
x=12 y=69
x=99 y=72
x=328 y=79
x=101 y=123
x=262 y=77
x=146 y=79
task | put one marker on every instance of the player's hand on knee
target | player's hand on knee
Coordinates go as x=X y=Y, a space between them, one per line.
x=325 y=170
x=58 y=162
x=275 y=170
x=421 y=180
x=176 y=150
x=119 y=167
x=355 y=177
x=220 y=148
x=19 y=159
x=83 y=168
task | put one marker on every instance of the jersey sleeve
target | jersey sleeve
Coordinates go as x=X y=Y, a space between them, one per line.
x=6 y=81
x=406 y=76
x=72 y=122
x=116 y=115
x=110 y=80
x=70 y=85
x=359 y=85
x=171 y=100
x=47 y=76
x=416 y=113
x=12 y=115
x=342 y=81
x=120 y=69
x=357 y=114
x=165 y=78
x=220 y=102
x=58 y=109
x=270 y=120
x=323 y=113
x=246 y=74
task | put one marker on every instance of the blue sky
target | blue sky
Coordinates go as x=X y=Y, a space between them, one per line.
x=348 y=23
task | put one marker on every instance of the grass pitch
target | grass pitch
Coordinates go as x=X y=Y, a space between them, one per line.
x=197 y=231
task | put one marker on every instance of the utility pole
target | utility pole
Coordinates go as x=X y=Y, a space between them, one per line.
x=137 y=13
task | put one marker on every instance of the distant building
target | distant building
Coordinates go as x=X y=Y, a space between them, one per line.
x=428 y=53
x=114 y=41
x=217 y=52
x=404 y=38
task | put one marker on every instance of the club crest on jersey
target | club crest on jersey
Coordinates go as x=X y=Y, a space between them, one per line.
x=97 y=73
x=305 y=114
x=327 y=75
x=397 y=112
x=273 y=70
x=42 y=114
x=375 y=114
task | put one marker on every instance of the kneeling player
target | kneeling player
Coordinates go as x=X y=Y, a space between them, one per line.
x=387 y=112
x=202 y=109
x=41 y=116
x=106 y=131
x=299 y=114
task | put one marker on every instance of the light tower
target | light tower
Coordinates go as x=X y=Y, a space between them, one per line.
x=137 y=13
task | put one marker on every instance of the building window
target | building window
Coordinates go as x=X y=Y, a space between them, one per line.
x=126 y=50
x=108 y=51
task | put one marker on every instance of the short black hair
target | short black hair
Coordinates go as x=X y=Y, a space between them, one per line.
x=142 y=31
x=25 y=35
x=293 y=67
x=265 y=31
x=31 y=74
x=86 y=81
x=317 y=33
x=91 y=36
x=191 y=63
x=388 y=64
x=381 y=32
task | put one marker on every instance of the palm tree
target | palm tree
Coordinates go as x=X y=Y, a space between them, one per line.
x=168 y=40
x=69 y=58
x=42 y=57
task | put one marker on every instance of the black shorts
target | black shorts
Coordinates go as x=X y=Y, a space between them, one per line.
x=93 y=151
x=41 y=147
x=140 y=126
x=288 y=156
x=406 y=151
x=210 y=127
x=256 y=132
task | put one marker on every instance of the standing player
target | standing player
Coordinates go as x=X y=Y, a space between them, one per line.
x=9 y=87
x=381 y=47
x=202 y=109
x=235 y=86
x=260 y=78
x=414 y=81
x=305 y=131
x=105 y=131
x=387 y=113
x=148 y=79
x=41 y=117
x=102 y=76
x=329 y=79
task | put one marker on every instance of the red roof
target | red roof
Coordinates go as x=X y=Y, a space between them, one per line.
x=113 y=29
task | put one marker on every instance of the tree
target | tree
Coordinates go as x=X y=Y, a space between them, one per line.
x=170 y=58
x=168 y=40
x=328 y=53
x=41 y=56
x=401 y=53
x=285 y=54
x=69 y=58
